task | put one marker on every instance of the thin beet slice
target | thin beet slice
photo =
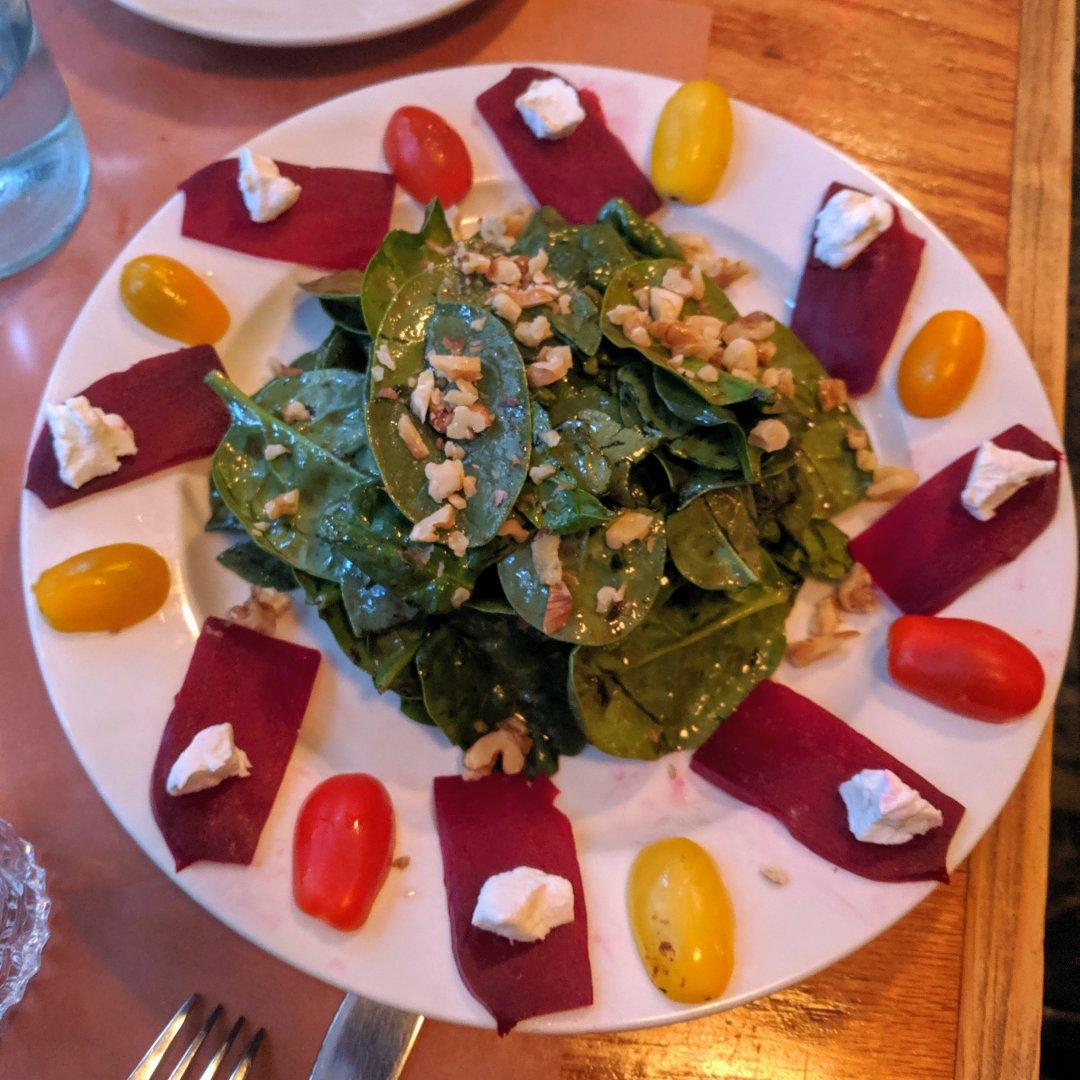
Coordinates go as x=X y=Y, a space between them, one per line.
x=848 y=318
x=337 y=223
x=176 y=417
x=786 y=755
x=927 y=549
x=576 y=175
x=261 y=686
x=488 y=826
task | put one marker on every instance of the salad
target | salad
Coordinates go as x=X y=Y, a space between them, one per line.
x=537 y=468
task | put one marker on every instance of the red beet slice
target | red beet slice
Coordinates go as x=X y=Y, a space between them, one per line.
x=261 y=686
x=848 y=318
x=176 y=417
x=576 y=175
x=337 y=223
x=488 y=826
x=927 y=549
x=786 y=755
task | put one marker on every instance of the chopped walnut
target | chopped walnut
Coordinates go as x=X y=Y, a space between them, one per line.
x=832 y=393
x=533 y=296
x=708 y=374
x=412 y=439
x=444 y=478
x=504 y=307
x=456 y=368
x=769 y=435
x=513 y=528
x=468 y=421
x=471 y=262
x=280 y=505
x=426 y=530
x=533 y=332
x=504 y=271
x=608 y=598
x=725 y=272
x=775 y=875
x=295 y=412
x=766 y=351
x=780 y=379
x=545 y=556
x=553 y=364
x=664 y=304
x=283 y=371
x=856 y=592
x=464 y=393
x=629 y=526
x=539 y=473
x=756 y=326
x=560 y=606
x=676 y=279
x=493 y=231
x=857 y=439
x=261 y=610
x=801 y=653
x=866 y=460
x=457 y=542
x=892 y=482
x=740 y=353
x=401 y=862
x=275 y=450
x=826 y=618
x=508 y=745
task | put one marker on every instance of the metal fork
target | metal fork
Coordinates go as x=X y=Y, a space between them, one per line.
x=160 y=1047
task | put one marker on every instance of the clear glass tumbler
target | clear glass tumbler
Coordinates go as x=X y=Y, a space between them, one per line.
x=44 y=165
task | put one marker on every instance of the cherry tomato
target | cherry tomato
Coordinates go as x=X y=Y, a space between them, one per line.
x=941 y=364
x=105 y=588
x=965 y=666
x=173 y=300
x=427 y=156
x=692 y=143
x=682 y=920
x=341 y=850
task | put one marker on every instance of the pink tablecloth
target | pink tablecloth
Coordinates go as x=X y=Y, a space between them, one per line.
x=126 y=945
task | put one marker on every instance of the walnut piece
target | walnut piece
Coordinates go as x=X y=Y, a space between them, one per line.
x=856 y=592
x=801 y=653
x=892 y=482
x=507 y=745
x=832 y=393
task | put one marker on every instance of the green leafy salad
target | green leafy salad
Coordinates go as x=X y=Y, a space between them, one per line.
x=554 y=480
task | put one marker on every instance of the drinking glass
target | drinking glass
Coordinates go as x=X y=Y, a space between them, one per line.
x=44 y=165
x=24 y=916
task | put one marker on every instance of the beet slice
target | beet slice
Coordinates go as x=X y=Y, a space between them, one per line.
x=576 y=175
x=488 y=826
x=261 y=686
x=337 y=223
x=786 y=755
x=927 y=549
x=848 y=318
x=176 y=417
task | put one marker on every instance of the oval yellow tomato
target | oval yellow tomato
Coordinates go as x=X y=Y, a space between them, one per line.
x=941 y=364
x=105 y=588
x=173 y=300
x=692 y=143
x=682 y=920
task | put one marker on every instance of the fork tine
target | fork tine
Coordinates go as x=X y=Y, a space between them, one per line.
x=193 y=1047
x=151 y=1059
x=252 y=1048
x=211 y=1070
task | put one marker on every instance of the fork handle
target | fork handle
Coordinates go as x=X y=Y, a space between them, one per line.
x=366 y=1041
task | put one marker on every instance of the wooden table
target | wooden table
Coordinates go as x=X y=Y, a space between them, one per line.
x=965 y=106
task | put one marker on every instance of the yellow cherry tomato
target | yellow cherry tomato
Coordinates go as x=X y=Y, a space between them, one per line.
x=173 y=300
x=692 y=143
x=682 y=920
x=941 y=364
x=105 y=588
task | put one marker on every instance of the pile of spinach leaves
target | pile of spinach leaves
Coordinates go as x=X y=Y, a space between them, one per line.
x=459 y=638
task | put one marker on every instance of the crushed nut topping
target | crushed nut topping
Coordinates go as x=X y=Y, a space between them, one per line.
x=769 y=435
x=552 y=365
x=832 y=393
x=471 y=262
x=412 y=438
x=426 y=530
x=665 y=304
x=892 y=482
x=550 y=437
x=608 y=598
x=539 y=473
x=780 y=379
x=261 y=610
x=629 y=526
x=468 y=421
x=755 y=326
x=866 y=460
x=274 y=450
x=295 y=412
x=856 y=592
x=775 y=875
x=281 y=505
x=444 y=478
x=457 y=542
x=504 y=307
x=533 y=332
x=456 y=368
x=545 y=556
x=513 y=528
x=504 y=271
x=807 y=651
x=857 y=439
x=740 y=354
x=508 y=745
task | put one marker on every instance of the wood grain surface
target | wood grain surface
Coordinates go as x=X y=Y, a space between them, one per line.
x=963 y=105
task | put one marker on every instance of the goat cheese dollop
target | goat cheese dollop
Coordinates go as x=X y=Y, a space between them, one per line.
x=267 y=194
x=882 y=809
x=997 y=475
x=848 y=224
x=88 y=441
x=551 y=108
x=524 y=904
x=211 y=757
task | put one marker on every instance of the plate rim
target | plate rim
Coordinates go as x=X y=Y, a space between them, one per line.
x=552 y=1024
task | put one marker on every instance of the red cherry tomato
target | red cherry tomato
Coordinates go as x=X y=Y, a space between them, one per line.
x=965 y=666
x=427 y=157
x=342 y=848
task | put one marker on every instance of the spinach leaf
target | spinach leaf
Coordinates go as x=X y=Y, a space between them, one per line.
x=668 y=685
x=221 y=518
x=643 y=407
x=340 y=350
x=589 y=564
x=247 y=481
x=371 y=606
x=587 y=255
x=386 y=656
x=686 y=403
x=257 y=567
x=714 y=542
x=819 y=550
x=477 y=669
x=727 y=389
x=335 y=399
x=339 y=297
x=414 y=325
x=403 y=255
x=640 y=233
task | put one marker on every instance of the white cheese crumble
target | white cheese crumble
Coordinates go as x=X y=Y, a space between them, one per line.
x=267 y=194
x=550 y=108
x=882 y=809
x=88 y=442
x=524 y=904
x=848 y=224
x=996 y=475
x=210 y=757
x=629 y=526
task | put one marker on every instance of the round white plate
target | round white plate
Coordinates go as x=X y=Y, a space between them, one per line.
x=113 y=693
x=285 y=22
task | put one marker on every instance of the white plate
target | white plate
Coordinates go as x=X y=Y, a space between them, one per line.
x=286 y=22
x=113 y=693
